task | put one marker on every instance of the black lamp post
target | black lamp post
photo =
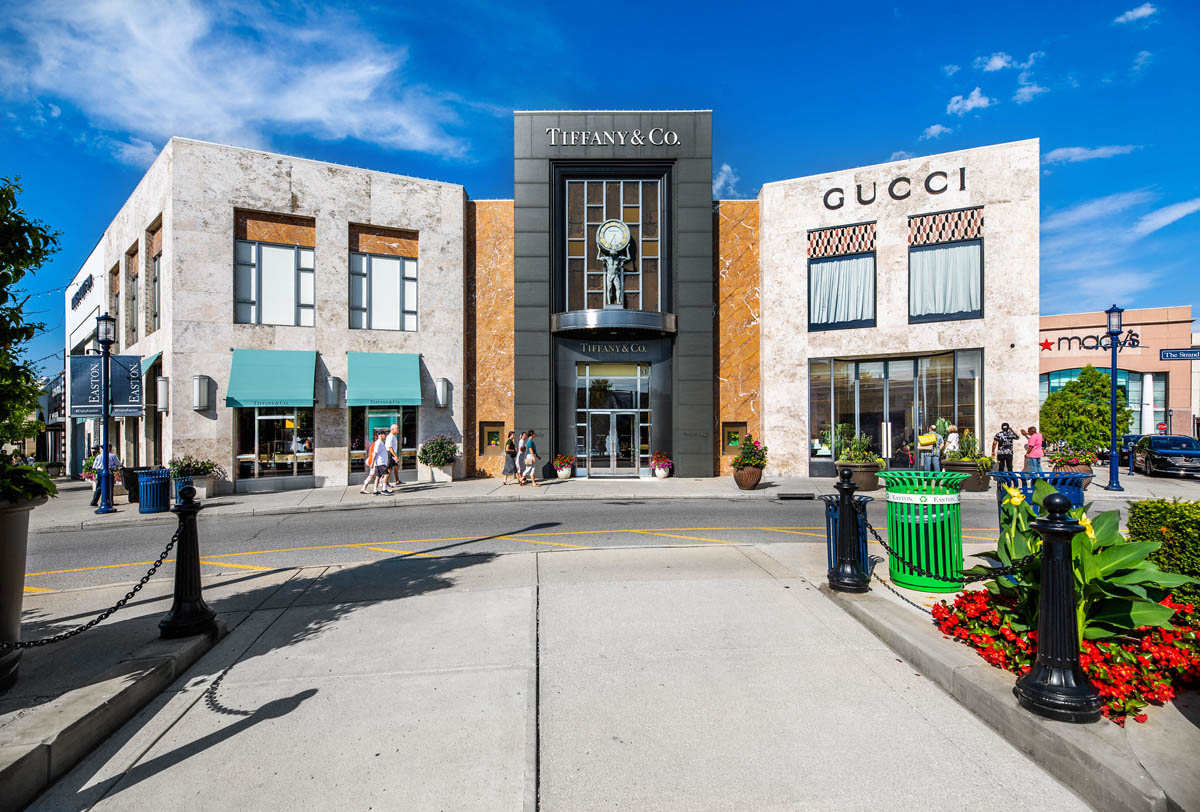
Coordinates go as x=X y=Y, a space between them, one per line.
x=1114 y=454
x=106 y=336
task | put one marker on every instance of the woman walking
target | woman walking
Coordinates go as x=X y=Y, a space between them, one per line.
x=531 y=458
x=520 y=460
x=510 y=458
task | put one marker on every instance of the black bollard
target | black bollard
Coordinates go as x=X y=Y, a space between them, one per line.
x=189 y=613
x=1056 y=686
x=846 y=576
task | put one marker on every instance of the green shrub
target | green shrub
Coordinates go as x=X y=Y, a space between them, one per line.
x=1176 y=525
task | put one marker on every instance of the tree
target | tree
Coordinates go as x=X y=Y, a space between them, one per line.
x=24 y=245
x=1078 y=414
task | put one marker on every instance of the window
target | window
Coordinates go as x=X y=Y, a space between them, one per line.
x=273 y=284
x=274 y=441
x=383 y=292
x=841 y=292
x=945 y=282
x=733 y=435
x=638 y=204
x=491 y=439
x=155 y=292
x=366 y=420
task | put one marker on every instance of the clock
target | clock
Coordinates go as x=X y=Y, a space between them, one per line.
x=612 y=236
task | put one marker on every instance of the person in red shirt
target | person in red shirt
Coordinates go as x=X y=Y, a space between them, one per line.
x=1034 y=448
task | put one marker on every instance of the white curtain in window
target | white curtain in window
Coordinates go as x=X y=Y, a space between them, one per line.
x=841 y=289
x=385 y=293
x=945 y=279
x=278 y=274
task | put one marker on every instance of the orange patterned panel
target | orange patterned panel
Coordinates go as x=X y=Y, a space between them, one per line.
x=736 y=291
x=377 y=240
x=284 y=229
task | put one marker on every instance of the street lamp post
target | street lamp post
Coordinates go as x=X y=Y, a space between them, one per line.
x=106 y=336
x=1114 y=453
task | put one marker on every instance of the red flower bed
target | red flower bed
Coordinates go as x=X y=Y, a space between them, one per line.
x=1129 y=672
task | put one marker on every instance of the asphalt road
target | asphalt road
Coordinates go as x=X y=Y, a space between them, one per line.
x=77 y=559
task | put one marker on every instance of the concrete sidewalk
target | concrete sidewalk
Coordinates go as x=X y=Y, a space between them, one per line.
x=71 y=511
x=697 y=678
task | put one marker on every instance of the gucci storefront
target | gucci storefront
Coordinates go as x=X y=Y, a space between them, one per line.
x=613 y=288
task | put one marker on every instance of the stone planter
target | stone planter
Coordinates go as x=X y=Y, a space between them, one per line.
x=54 y=469
x=747 y=477
x=562 y=473
x=862 y=474
x=436 y=473
x=662 y=473
x=1076 y=469
x=977 y=481
x=14 y=540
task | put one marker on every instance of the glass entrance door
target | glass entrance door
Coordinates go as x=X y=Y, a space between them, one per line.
x=612 y=444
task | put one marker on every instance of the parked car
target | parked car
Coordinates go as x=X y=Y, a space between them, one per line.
x=1167 y=453
x=1128 y=441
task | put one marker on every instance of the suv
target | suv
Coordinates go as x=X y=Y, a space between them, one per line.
x=1167 y=453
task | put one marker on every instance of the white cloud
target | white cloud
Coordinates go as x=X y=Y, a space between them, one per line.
x=233 y=73
x=135 y=151
x=960 y=106
x=1027 y=89
x=1161 y=218
x=1084 y=292
x=950 y=70
x=997 y=61
x=1140 y=13
x=934 y=131
x=1093 y=210
x=1073 y=155
x=900 y=155
x=1142 y=60
x=725 y=182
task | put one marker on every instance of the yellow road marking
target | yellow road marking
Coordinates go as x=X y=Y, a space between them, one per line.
x=235 y=566
x=794 y=532
x=37 y=589
x=97 y=567
x=547 y=543
x=676 y=536
x=400 y=552
x=982 y=538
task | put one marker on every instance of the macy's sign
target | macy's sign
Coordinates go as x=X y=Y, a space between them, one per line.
x=1092 y=342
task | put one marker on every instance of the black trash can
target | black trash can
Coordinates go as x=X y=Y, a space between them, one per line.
x=129 y=478
x=154 y=488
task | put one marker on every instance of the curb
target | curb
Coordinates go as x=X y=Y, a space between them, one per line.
x=1093 y=760
x=44 y=745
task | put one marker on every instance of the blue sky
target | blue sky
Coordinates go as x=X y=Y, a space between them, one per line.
x=89 y=92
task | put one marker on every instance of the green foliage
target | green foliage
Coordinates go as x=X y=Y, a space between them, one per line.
x=187 y=465
x=752 y=454
x=1176 y=526
x=1117 y=590
x=836 y=438
x=1078 y=414
x=941 y=428
x=24 y=245
x=437 y=451
x=968 y=451
x=858 y=449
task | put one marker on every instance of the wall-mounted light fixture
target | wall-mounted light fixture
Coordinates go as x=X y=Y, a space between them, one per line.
x=200 y=393
x=441 y=388
x=162 y=392
x=333 y=392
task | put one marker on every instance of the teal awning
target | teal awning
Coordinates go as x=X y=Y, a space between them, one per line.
x=149 y=362
x=383 y=379
x=271 y=378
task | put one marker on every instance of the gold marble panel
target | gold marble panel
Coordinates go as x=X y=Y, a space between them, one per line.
x=488 y=328
x=388 y=241
x=284 y=229
x=736 y=290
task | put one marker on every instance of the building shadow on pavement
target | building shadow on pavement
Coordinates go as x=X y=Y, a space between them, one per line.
x=327 y=594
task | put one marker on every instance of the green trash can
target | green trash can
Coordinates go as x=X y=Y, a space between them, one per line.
x=924 y=526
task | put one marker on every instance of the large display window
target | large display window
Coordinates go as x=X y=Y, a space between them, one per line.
x=366 y=420
x=891 y=401
x=274 y=441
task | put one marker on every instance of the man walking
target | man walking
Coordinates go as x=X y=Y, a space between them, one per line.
x=392 y=444
x=114 y=470
x=1002 y=447
x=377 y=470
x=1034 y=448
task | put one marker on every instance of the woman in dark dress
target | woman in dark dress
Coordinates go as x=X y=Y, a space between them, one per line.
x=510 y=458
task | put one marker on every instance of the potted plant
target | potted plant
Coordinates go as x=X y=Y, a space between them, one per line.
x=200 y=474
x=24 y=245
x=749 y=463
x=1074 y=462
x=662 y=465
x=863 y=463
x=564 y=465
x=968 y=460
x=437 y=455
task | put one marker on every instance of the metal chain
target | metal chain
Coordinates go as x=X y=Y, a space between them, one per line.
x=992 y=572
x=45 y=641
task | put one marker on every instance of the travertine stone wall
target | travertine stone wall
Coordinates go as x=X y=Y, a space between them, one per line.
x=736 y=292
x=1004 y=180
x=210 y=183
x=488 y=323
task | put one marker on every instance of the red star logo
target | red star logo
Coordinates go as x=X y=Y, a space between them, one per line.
x=1047 y=344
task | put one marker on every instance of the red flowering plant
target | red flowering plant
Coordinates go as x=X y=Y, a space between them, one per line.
x=1138 y=646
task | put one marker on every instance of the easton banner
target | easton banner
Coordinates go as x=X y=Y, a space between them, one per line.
x=86 y=400
x=125 y=385
x=924 y=498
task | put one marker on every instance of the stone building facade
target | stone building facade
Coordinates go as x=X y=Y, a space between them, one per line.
x=287 y=308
